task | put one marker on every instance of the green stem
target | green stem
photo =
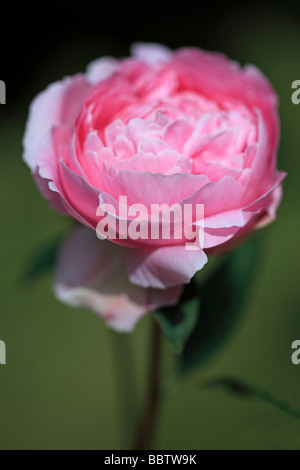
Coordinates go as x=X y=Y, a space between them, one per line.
x=126 y=387
x=145 y=432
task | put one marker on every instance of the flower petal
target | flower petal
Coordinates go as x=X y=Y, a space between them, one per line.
x=164 y=266
x=90 y=273
x=55 y=106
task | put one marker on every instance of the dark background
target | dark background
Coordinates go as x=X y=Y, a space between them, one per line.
x=58 y=387
x=66 y=33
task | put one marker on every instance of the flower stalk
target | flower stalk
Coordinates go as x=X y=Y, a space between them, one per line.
x=126 y=387
x=145 y=433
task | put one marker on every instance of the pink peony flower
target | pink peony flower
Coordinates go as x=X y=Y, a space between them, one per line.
x=161 y=127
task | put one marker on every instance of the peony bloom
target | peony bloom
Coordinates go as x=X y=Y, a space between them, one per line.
x=161 y=127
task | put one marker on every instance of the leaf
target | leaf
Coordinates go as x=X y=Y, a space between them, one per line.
x=223 y=296
x=42 y=260
x=178 y=322
x=246 y=390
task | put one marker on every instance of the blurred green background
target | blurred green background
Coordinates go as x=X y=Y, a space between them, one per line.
x=58 y=389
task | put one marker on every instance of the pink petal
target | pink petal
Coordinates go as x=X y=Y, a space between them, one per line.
x=55 y=106
x=166 y=162
x=101 y=69
x=90 y=273
x=164 y=266
x=82 y=196
x=150 y=188
x=150 y=53
x=177 y=133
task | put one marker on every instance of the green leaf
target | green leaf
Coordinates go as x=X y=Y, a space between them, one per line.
x=178 y=322
x=223 y=296
x=245 y=390
x=42 y=260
